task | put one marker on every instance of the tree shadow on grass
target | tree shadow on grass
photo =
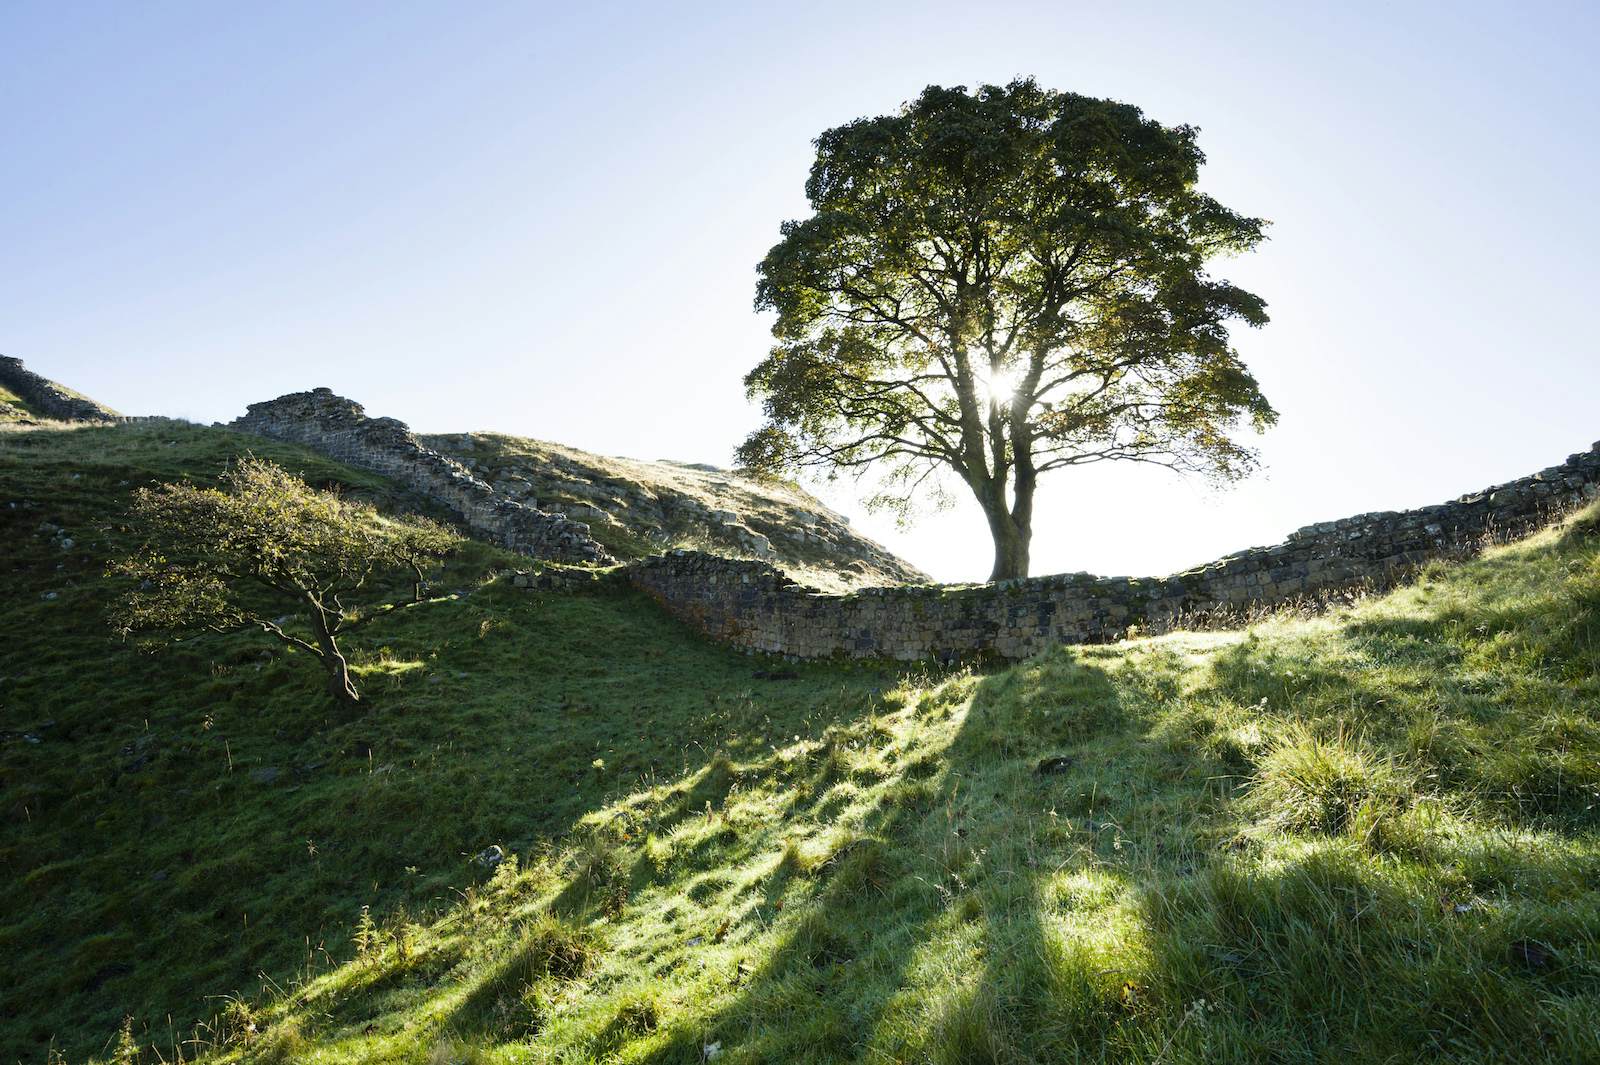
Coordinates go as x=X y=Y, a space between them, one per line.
x=1061 y=871
x=1119 y=906
x=930 y=859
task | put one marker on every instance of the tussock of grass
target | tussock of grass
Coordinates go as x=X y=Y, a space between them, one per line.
x=1314 y=785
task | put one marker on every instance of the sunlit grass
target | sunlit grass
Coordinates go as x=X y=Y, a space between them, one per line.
x=1192 y=848
x=1370 y=835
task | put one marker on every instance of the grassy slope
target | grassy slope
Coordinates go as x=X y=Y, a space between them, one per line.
x=146 y=864
x=1370 y=836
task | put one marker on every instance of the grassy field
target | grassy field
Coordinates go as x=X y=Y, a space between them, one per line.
x=1372 y=836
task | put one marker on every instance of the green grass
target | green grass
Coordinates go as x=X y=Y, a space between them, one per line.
x=150 y=866
x=1371 y=836
x=9 y=399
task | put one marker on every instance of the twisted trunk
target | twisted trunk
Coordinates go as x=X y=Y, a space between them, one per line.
x=340 y=686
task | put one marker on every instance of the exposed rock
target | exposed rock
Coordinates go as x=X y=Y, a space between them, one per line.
x=635 y=507
x=750 y=540
x=46 y=398
x=490 y=857
x=340 y=428
x=529 y=493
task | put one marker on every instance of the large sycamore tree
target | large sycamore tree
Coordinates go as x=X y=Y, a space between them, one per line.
x=266 y=552
x=1001 y=283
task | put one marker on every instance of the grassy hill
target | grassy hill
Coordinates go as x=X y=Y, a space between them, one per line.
x=636 y=508
x=1373 y=835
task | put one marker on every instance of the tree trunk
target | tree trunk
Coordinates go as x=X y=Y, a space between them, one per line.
x=1025 y=480
x=340 y=686
x=1011 y=541
x=1010 y=526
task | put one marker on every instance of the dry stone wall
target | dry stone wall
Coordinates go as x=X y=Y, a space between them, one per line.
x=752 y=605
x=48 y=398
x=340 y=429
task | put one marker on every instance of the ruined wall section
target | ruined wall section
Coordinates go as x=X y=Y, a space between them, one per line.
x=753 y=606
x=50 y=399
x=340 y=428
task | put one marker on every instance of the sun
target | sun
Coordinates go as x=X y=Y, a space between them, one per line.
x=998 y=386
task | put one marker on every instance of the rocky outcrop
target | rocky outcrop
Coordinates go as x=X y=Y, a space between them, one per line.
x=556 y=503
x=339 y=428
x=46 y=398
x=754 y=606
x=638 y=508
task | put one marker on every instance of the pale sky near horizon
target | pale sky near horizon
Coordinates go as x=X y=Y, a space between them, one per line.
x=544 y=220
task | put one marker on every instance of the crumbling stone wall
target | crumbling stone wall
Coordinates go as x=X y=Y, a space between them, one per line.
x=48 y=398
x=340 y=429
x=752 y=605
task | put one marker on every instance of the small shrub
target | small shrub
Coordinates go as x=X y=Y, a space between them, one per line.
x=236 y=1022
x=366 y=933
x=127 y=1050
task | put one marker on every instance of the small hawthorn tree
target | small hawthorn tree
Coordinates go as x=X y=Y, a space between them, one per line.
x=999 y=284
x=263 y=546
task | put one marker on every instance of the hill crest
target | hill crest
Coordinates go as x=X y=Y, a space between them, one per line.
x=553 y=502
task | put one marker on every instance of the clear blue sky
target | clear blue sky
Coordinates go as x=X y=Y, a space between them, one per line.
x=545 y=220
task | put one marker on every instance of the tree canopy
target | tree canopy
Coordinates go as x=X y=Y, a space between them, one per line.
x=1001 y=283
x=267 y=552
